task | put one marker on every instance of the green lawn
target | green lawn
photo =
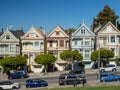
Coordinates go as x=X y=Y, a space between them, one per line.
x=85 y=88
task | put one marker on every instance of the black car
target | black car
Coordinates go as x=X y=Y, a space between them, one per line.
x=68 y=79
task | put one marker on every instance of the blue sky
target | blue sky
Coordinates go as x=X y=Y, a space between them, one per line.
x=50 y=13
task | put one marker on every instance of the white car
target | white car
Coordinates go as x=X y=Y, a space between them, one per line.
x=108 y=67
x=9 y=85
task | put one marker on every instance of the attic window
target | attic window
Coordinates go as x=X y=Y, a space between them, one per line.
x=83 y=31
x=57 y=33
x=7 y=36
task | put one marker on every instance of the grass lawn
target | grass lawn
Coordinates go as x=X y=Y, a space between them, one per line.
x=85 y=88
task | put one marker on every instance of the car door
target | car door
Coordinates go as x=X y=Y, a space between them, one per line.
x=71 y=79
x=7 y=85
x=112 y=77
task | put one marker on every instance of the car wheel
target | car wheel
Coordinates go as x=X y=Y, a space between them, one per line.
x=113 y=69
x=14 y=87
x=22 y=77
x=1 y=88
x=65 y=83
x=118 y=79
x=102 y=70
x=27 y=86
x=10 y=78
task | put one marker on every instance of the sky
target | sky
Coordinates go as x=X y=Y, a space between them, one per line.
x=50 y=13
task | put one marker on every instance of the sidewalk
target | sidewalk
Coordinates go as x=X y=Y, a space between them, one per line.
x=57 y=73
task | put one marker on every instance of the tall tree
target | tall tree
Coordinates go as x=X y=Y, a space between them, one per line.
x=107 y=14
x=71 y=56
x=45 y=59
x=69 y=31
x=104 y=55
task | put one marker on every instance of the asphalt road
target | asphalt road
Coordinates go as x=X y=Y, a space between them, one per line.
x=53 y=80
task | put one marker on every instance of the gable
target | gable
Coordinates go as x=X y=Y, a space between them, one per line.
x=82 y=30
x=58 y=32
x=32 y=33
x=109 y=28
x=7 y=36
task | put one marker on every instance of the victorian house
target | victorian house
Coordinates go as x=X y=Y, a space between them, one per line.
x=10 y=43
x=33 y=45
x=57 y=42
x=82 y=40
x=108 y=37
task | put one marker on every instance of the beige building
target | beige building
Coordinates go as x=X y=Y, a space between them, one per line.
x=33 y=45
x=108 y=36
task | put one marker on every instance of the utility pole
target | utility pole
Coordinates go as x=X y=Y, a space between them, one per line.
x=98 y=60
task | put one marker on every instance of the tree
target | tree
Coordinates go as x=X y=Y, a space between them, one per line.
x=107 y=14
x=45 y=59
x=71 y=56
x=104 y=55
x=13 y=62
x=70 y=31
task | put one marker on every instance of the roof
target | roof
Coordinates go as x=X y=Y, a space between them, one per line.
x=17 y=33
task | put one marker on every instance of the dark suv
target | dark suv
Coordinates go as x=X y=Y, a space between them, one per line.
x=68 y=79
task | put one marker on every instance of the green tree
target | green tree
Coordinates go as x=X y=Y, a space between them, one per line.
x=71 y=56
x=13 y=62
x=104 y=55
x=45 y=59
x=107 y=14
x=70 y=31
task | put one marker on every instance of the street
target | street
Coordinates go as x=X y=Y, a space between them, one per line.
x=53 y=80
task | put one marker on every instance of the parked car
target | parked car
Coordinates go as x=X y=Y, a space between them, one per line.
x=18 y=74
x=109 y=76
x=8 y=85
x=68 y=79
x=36 y=82
x=108 y=67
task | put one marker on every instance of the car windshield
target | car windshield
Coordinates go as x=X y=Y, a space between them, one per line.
x=62 y=77
x=6 y=83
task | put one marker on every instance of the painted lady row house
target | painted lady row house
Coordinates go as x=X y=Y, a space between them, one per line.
x=35 y=42
x=10 y=43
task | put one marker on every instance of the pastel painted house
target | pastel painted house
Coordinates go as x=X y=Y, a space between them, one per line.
x=58 y=42
x=108 y=36
x=83 y=41
x=33 y=45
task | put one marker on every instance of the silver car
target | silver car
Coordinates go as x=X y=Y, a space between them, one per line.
x=9 y=85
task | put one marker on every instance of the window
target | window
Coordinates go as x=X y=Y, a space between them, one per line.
x=81 y=43
x=36 y=43
x=50 y=43
x=57 y=33
x=7 y=36
x=112 y=39
x=12 y=46
x=32 y=35
x=113 y=49
x=61 y=43
x=83 y=31
x=86 y=43
x=86 y=53
x=75 y=42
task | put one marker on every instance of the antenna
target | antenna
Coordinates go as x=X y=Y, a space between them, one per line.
x=83 y=21
x=10 y=27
